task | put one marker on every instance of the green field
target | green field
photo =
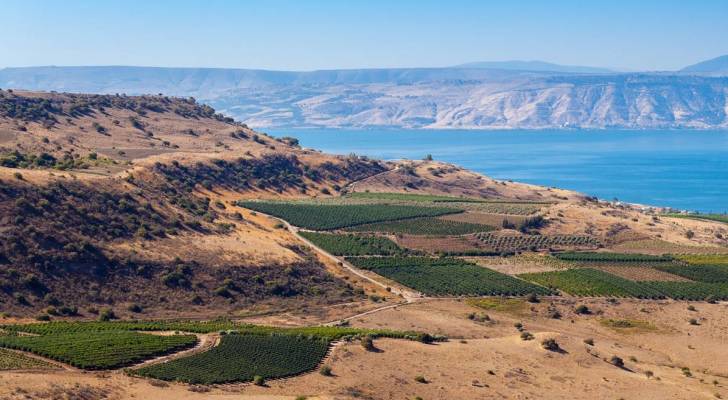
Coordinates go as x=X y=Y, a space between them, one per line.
x=705 y=259
x=11 y=360
x=691 y=290
x=709 y=217
x=700 y=273
x=612 y=257
x=409 y=197
x=447 y=276
x=592 y=282
x=67 y=327
x=240 y=357
x=327 y=217
x=424 y=226
x=99 y=350
x=353 y=245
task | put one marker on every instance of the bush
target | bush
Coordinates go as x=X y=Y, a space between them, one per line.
x=589 y=341
x=526 y=336
x=367 y=343
x=617 y=361
x=135 y=308
x=583 y=310
x=693 y=321
x=550 y=345
x=326 y=371
x=259 y=380
x=420 y=379
x=532 y=298
x=107 y=314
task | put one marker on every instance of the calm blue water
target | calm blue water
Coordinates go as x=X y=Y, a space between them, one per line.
x=680 y=169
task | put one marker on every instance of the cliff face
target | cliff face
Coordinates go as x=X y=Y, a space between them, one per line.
x=416 y=98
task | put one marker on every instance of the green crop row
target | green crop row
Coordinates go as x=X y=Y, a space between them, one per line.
x=612 y=257
x=353 y=245
x=99 y=350
x=241 y=357
x=701 y=273
x=709 y=217
x=68 y=327
x=424 y=226
x=592 y=282
x=11 y=360
x=693 y=291
x=447 y=276
x=327 y=217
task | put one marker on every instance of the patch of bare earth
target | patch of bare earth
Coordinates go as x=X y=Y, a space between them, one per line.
x=638 y=273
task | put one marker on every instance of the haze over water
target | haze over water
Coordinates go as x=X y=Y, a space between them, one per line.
x=680 y=169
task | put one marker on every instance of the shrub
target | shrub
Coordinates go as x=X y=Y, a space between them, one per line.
x=693 y=321
x=617 y=361
x=18 y=176
x=589 y=341
x=550 y=345
x=135 y=308
x=326 y=371
x=259 y=380
x=107 y=314
x=420 y=379
x=532 y=298
x=583 y=310
x=526 y=336
x=367 y=343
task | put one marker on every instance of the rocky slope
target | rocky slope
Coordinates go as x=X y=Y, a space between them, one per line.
x=461 y=97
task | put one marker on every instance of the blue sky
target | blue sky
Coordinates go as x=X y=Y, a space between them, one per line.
x=306 y=35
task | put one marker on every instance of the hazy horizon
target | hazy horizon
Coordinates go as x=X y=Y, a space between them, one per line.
x=326 y=35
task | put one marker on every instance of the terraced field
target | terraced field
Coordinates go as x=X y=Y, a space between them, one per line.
x=447 y=276
x=241 y=357
x=353 y=245
x=693 y=291
x=328 y=217
x=700 y=273
x=591 y=282
x=99 y=350
x=604 y=257
x=67 y=327
x=423 y=226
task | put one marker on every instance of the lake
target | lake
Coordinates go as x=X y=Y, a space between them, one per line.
x=681 y=169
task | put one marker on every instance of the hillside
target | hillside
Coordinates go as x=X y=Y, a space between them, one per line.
x=111 y=192
x=478 y=96
x=102 y=194
x=243 y=266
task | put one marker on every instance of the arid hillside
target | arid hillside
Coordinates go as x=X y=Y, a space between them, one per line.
x=100 y=194
x=151 y=248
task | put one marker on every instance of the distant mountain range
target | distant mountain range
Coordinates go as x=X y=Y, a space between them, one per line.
x=485 y=95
